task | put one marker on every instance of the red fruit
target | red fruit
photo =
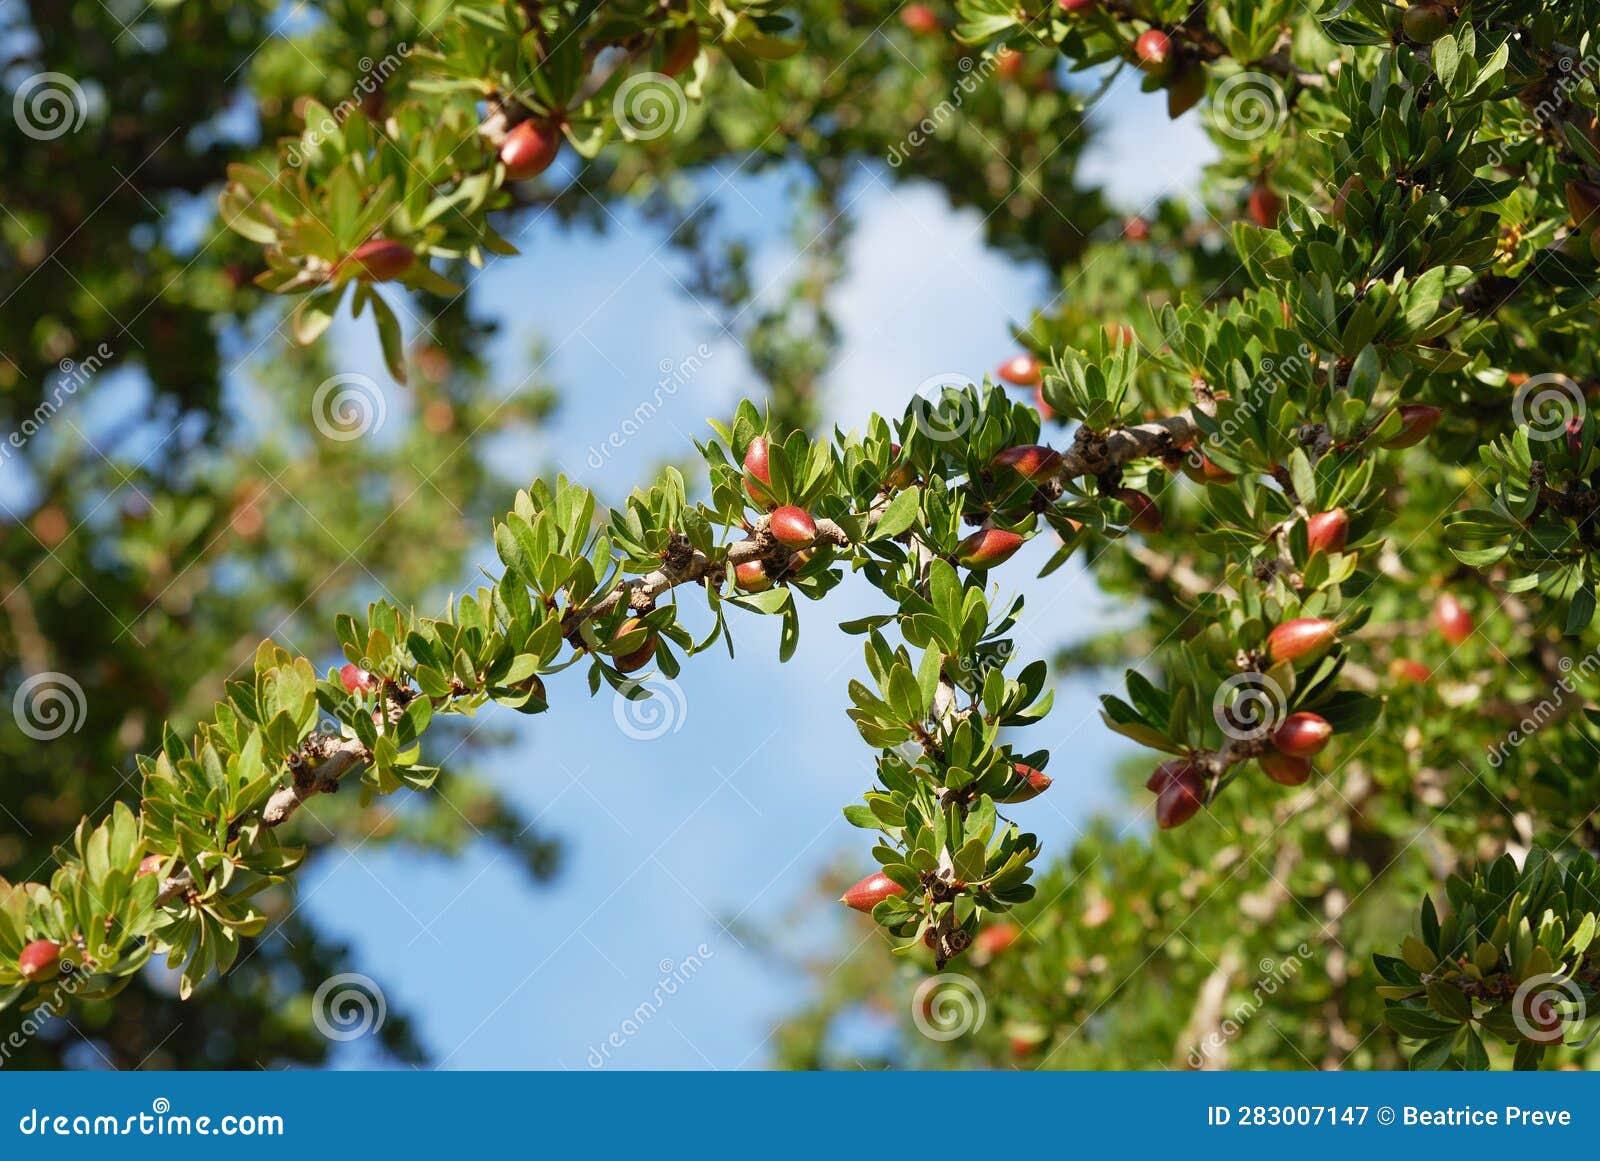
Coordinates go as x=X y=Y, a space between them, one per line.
x=1153 y=50
x=1285 y=769
x=1008 y=63
x=1166 y=772
x=529 y=149
x=1038 y=782
x=1181 y=798
x=793 y=527
x=1046 y=412
x=1583 y=200
x=1120 y=334
x=1264 y=206
x=1328 y=531
x=1416 y=421
x=987 y=547
x=381 y=260
x=921 y=19
x=641 y=654
x=680 y=49
x=755 y=465
x=1136 y=230
x=150 y=864
x=1031 y=461
x=355 y=679
x=1076 y=5
x=1303 y=638
x=1146 y=515
x=1021 y=371
x=1452 y=619
x=751 y=576
x=39 y=960
x=1302 y=735
x=995 y=938
x=1405 y=669
x=871 y=891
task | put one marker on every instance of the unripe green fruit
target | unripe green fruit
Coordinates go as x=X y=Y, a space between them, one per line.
x=871 y=891
x=381 y=260
x=1302 y=639
x=1416 y=421
x=1153 y=51
x=751 y=576
x=1146 y=515
x=987 y=548
x=640 y=655
x=1285 y=769
x=1037 y=782
x=1425 y=23
x=39 y=960
x=1451 y=617
x=1328 y=531
x=530 y=149
x=1020 y=371
x=1302 y=735
x=793 y=527
x=1032 y=461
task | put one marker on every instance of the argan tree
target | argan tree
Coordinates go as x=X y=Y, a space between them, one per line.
x=1334 y=428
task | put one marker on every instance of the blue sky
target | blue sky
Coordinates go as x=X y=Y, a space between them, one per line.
x=735 y=811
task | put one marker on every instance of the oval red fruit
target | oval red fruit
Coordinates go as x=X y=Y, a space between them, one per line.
x=1264 y=206
x=1032 y=461
x=1076 y=5
x=1301 y=639
x=987 y=547
x=751 y=576
x=381 y=260
x=1146 y=515
x=355 y=679
x=1452 y=619
x=529 y=149
x=1181 y=798
x=996 y=938
x=150 y=864
x=756 y=467
x=1153 y=50
x=1302 y=735
x=871 y=891
x=639 y=656
x=921 y=19
x=39 y=959
x=1328 y=531
x=1405 y=669
x=1021 y=371
x=1046 y=412
x=1416 y=421
x=1285 y=769
x=681 y=47
x=793 y=527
